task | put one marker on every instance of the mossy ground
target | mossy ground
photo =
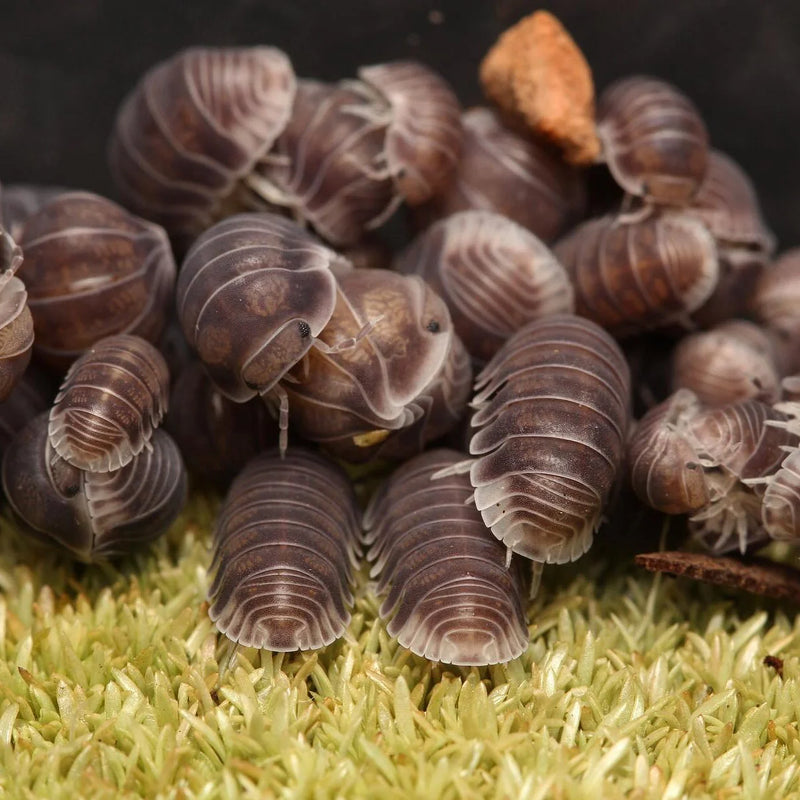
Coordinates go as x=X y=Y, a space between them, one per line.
x=633 y=686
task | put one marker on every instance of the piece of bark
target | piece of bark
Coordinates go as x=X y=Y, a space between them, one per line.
x=537 y=74
x=755 y=575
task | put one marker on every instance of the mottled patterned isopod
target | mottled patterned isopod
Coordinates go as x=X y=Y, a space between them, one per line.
x=111 y=400
x=512 y=175
x=776 y=303
x=632 y=275
x=254 y=293
x=552 y=410
x=93 y=515
x=192 y=130
x=423 y=129
x=494 y=275
x=452 y=595
x=654 y=140
x=16 y=322
x=780 y=505
x=93 y=270
x=285 y=545
x=327 y=164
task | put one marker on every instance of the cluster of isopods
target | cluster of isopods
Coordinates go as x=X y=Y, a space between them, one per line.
x=296 y=342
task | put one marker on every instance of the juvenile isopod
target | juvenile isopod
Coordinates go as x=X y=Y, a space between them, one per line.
x=109 y=404
x=284 y=546
x=654 y=140
x=92 y=270
x=194 y=128
x=451 y=596
x=494 y=275
x=95 y=516
x=16 y=322
x=632 y=275
x=551 y=415
x=512 y=175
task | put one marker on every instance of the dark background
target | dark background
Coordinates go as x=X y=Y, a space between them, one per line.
x=66 y=64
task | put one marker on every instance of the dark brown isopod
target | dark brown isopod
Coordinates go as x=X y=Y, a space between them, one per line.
x=194 y=128
x=18 y=201
x=452 y=595
x=327 y=164
x=93 y=270
x=732 y=362
x=111 y=400
x=494 y=275
x=512 y=175
x=254 y=293
x=776 y=303
x=16 y=322
x=284 y=550
x=94 y=515
x=552 y=410
x=632 y=275
x=423 y=130
x=654 y=140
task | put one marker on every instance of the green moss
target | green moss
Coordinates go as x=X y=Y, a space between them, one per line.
x=632 y=686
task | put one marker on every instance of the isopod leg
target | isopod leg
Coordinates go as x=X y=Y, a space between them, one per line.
x=347 y=344
x=537 y=567
x=277 y=397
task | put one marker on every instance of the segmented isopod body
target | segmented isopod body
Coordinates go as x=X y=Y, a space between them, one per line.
x=423 y=133
x=284 y=550
x=552 y=409
x=253 y=295
x=654 y=140
x=111 y=400
x=732 y=362
x=93 y=515
x=633 y=275
x=215 y=435
x=512 y=175
x=776 y=303
x=780 y=506
x=326 y=165
x=194 y=128
x=452 y=596
x=494 y=275
x=18 y=201
x=368 y=389
x=93 y=270
x=16 y=322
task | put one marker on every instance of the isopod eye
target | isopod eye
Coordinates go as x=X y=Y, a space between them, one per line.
x=433 y=326
x=305 y=330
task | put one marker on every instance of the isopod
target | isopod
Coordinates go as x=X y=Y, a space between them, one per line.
x=194 y=128
x=780 y=506
x=776 y=303
x=16 y=322
x=109 y=404
x=494 y=275
x=285 y=545
x=93 y=270
x=551 y=415
x=451 y=595
x=94 y=516
x=654 y=140
x=632 y=275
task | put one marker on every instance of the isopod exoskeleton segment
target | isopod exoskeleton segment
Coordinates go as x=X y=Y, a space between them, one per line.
x=284 y=550
x=451 y=594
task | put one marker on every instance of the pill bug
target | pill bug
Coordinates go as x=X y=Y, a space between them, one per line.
x=16 y=322
x=193 y=129
x=451 y=595
x=780 y=507
x=494 y=275
x=654 y=140
x=551 y=414
x=732 y=362
x=284 y=550
x=18 y=201
x=632 y=275
x=369 y=389
x=423 y=137
x=95 y=516
x=776 y=303
x=215 y=435
x=253 y=295
x=109 y=403
x=327 y=167
x=93 y=270
x=505 y=173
